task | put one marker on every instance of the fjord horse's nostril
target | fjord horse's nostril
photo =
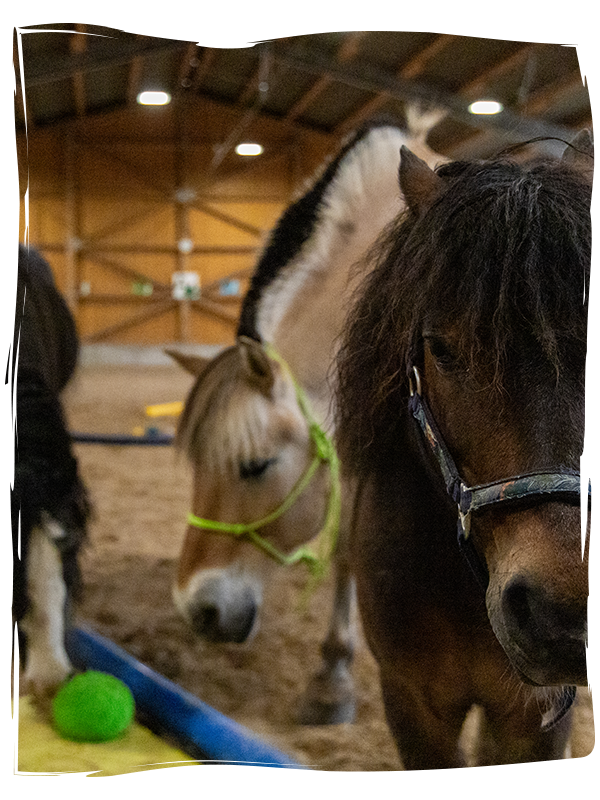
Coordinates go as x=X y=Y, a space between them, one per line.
x=224 y=625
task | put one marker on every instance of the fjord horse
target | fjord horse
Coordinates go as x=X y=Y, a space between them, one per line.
x=461 y=402
x=49 y=505
x=256 y=422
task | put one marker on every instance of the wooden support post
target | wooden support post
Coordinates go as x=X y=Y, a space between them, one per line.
x=72 y=244
x=182 y=223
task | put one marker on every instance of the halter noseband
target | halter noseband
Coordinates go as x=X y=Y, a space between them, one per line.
x=470 y=499
x=325 y=453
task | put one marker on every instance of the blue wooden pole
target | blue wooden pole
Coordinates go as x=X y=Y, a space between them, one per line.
x=195 y=726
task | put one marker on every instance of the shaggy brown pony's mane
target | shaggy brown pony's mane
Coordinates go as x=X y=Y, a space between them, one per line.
x=503 y=256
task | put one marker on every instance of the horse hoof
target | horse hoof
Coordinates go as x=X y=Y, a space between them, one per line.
x=315 y=712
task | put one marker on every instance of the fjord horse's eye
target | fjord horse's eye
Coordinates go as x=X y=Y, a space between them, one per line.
x=255 y=468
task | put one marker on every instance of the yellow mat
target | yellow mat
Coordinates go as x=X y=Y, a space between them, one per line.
x=41 y=749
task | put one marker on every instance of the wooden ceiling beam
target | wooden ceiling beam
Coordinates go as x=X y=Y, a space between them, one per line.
x=475 y=87
x=78 y=45
x=409 y=70
x=48 y=68
x=543 y=99
x=134 y=78
x=13 y=62
x=347 y=51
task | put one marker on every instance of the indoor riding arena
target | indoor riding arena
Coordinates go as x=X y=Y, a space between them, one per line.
x=152 y=218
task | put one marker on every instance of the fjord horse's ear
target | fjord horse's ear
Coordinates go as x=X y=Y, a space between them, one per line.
x=195 y=365
x=580 y=152
x=418 y=183
x=258 y=364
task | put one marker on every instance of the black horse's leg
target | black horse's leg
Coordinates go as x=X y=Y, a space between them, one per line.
x=426 y=737
x=329 y=697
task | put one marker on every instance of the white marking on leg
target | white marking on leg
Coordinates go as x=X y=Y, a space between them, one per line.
x=47 y=660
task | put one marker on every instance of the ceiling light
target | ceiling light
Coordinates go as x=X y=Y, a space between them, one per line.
x=248 y=149
x=485 y=107
x=154 y=98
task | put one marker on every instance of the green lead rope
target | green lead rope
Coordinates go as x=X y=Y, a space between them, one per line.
x=316 y=561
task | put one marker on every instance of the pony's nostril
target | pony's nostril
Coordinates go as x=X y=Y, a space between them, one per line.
x=516 y=601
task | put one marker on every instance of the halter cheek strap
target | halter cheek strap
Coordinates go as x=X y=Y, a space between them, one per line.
x=326 y=540
x=470 y=499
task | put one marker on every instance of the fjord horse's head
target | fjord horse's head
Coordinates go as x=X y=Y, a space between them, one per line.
x=254 y=455
x=481 y=297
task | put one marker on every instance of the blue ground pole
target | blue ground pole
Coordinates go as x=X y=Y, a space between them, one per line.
x=195 y=727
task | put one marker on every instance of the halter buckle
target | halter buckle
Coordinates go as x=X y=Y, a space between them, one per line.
x=416 y=387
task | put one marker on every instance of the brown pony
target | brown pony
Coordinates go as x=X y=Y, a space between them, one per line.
x=254 y=426
x=461 y=397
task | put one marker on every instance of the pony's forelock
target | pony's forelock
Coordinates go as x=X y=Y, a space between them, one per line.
x=503 y=256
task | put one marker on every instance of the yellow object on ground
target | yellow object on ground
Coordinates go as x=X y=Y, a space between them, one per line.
x=42 y=750
x=165 y=409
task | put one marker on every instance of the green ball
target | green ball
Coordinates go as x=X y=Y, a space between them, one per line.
x=92 y=707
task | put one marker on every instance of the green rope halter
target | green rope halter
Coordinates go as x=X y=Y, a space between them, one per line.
x=326 y=540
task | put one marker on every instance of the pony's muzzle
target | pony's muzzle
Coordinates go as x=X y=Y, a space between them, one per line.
x=547 y=636
x=220 y=607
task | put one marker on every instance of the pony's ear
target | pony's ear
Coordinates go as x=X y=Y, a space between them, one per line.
x=191 y=363
x=580 y=152
x=418 y=183
x=258 y=365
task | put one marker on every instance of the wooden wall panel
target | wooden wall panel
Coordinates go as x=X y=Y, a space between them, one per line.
x=106 y=208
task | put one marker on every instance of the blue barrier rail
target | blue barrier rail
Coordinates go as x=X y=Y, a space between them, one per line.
x=199 y=730
x=156 y=439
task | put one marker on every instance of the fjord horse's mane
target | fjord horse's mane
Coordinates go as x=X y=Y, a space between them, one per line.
x=503 y=256
x=330 y=196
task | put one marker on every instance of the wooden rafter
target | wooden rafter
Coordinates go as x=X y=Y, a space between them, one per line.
x=12 y=61
x=476 y=86
x=347 y=51
x=410 y=70
x=134 y=79
x=77 y=45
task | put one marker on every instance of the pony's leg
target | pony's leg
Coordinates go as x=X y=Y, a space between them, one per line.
x=329 y=697
x=513 y=741
x=44 y=624
x=426 y=737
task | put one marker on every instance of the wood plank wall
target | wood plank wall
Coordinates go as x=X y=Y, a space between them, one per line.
x=110 y=198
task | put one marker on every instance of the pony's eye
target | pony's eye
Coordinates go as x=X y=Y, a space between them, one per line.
x=255 y=468
x=442 y=353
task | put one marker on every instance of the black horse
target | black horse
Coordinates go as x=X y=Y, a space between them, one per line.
x=49 y=503
x=461 y=398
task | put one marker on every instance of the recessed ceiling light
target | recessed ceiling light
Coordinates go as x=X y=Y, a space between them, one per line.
x=486 y=107
x=154 y=98
x=249 y=149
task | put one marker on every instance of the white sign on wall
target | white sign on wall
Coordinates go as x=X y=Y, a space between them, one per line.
x=185 y=285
